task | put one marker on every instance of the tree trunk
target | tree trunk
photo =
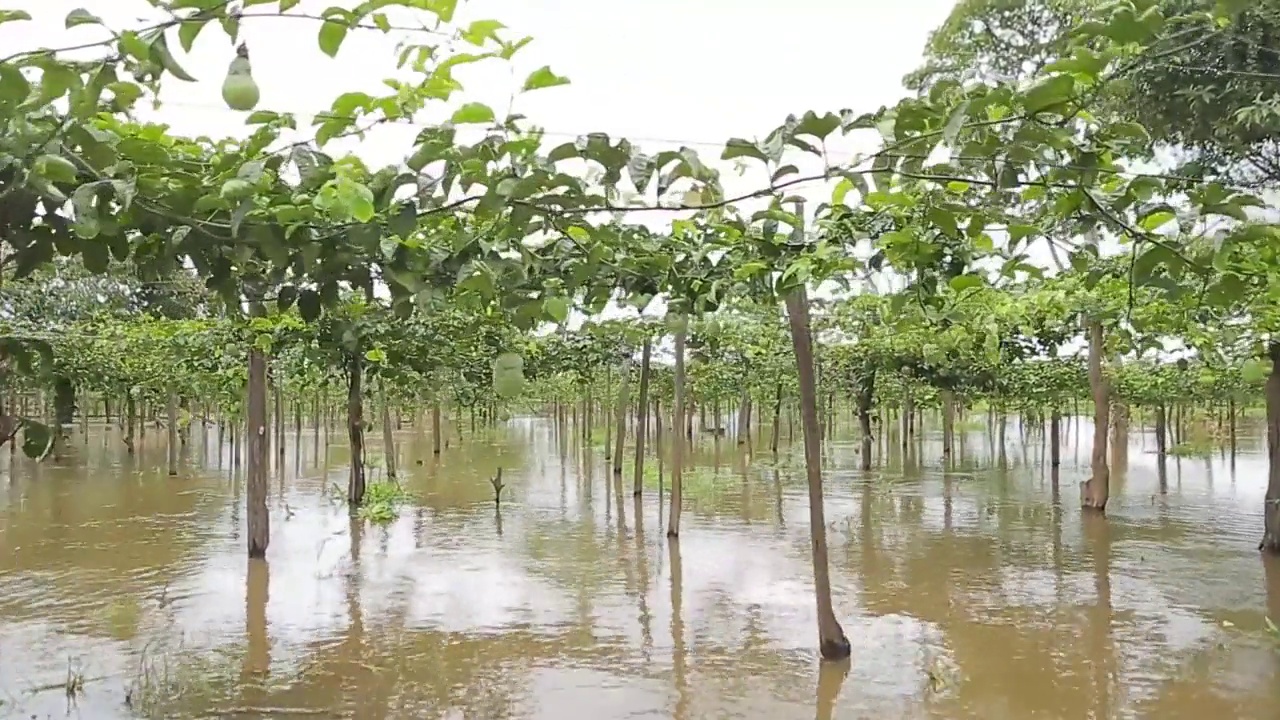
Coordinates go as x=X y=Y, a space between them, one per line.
x=1271 y=506
x=355 y=431
x=678 y=438
x=258 y=455
x=620 y=439
x=832 y=642
x=131 y=422
x=1162 y=430
x=642 y=424
x=744 y=412
x=173 y=433
x=1096 y=490
x=279 y=418
x=777 y=419
x=866 y=395
x=1055 y=438
x=435 y=428
x=388 y=436
x=948 y=421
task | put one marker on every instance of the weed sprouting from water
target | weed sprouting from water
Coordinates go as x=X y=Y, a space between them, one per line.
x=382 y=501
x=1272 y=629
x=160 y=683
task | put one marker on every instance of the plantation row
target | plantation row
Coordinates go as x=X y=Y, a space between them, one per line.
x=1003 y=349
x=484 y=236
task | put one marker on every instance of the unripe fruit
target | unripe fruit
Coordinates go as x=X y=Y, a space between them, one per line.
x=508 y=375
x=239 y=91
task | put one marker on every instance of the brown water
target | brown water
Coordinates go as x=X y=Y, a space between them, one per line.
x=966 y=593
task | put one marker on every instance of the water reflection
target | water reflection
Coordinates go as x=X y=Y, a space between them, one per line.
x=967 y=587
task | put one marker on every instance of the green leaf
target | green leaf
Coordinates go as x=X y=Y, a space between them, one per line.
x=556 y=309
x=1254 y=371
x=332 y=33
x=473 y=112
x=819 y=126
x=955 y=122
x=1051 y=91
x=737 y=147
x=481 y=30
x=37 y=439
x=1154 y=220
x=80 y=16
x=55 y=168
x=14 y=88
x=543 y=78
x=309 y=305
x=13 y=15
x=160 y=51
x=964 y=282
x=189 y=30
x=405 y=221
x=375 y=355
x=285 y=298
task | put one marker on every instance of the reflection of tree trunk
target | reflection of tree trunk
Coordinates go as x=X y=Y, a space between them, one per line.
x=1098 y=531
x=830 y=680
x=624 y=382
x=677 y=437
x=258 y=455
x=642 y=570
x=1055 y=437
x=831 y=638
x=1096 y=491
x=1271 y=572
x=1271 y=506
x=257 y=592
x=678 y=658
x=355 y=430
x=642 y=422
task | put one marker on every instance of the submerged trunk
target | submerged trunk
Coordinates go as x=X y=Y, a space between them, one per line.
x=642 y=424
x=355 y=432
x=1162 y=430
x=744 y=414
x=1096 y=491
x=435 y=428
x=131 y=422
x=388 y=437
x=678 y=438
x=1055 y=438
x=620 y=438
x=1271 y=506
x=832 y=642
x=948 y=421
x=258 y=455
x=172 y=419
x=777 y=419
x=866 y=395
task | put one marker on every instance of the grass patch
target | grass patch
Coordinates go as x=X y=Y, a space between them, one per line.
x=1192 y=448
x=1272 y=630
x=697 y=483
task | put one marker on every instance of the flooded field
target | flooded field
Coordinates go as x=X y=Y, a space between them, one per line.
x=967 y=593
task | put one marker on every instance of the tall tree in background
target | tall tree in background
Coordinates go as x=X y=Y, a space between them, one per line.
x=1208 y=93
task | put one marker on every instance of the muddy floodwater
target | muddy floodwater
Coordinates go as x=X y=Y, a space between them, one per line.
x=968 y=592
